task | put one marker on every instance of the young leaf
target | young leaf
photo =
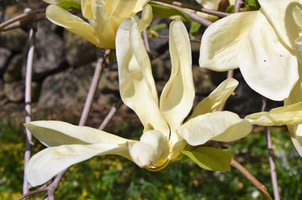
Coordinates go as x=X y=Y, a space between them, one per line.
x=252 y=4
x=210 y=158
x=195 y=26
x=166 y=12
x=66 y=4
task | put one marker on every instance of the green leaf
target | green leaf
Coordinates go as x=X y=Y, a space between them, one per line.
x=158 y=26
x=252 y=4
x=166 y=12
x=67 y=4
x=210 y=158
x=195 y=26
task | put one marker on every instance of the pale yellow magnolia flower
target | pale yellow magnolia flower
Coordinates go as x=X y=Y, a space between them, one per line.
x=165 y=132
x=105 y=17
x=261 y=43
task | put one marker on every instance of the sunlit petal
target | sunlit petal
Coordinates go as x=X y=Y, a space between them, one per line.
x=279 y=13
x=137 y=87
x=146 y=19
x=266 y=65
x=54 y=133
x=50 y=161
x=209 y=4
x=151 y=150
x=214 y=101
x=178 y=94
x=221 y=41
x=219 y=126
x=61 y=17
x=286 y=115
x=103 y=28
x=121 y=11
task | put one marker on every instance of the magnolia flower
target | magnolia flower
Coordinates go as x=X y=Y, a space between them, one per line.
x=166 y=130
x=261 y=43
x=105 y=17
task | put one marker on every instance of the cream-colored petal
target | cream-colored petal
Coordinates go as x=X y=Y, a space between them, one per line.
x=61 y=17
x=137 y=87
x=285 y=115
x=139 y=6
x=55 y=133
x=121 y=11
x=221 y=41
x=50 y=161
x=222 y=126
x=296 y=136
x=297 y=145
x=103 y=28
x=266 y=65
x=279 y=13
x=146 y=19
x=177 y=147
x=214 y=101
x=209 y=4
x=297 y=15
x=178 y=94
x=151 y=151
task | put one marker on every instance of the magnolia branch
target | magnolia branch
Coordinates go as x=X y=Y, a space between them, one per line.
x=271 y=156
x=192 y=15
x=204 y=10
x=251 y=178
x=20 y=17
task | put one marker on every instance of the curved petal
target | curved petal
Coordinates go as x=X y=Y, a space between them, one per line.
x=103 y=28
x=139 y=6
x=86 y=7
x=286 y=115
x=50 y=161
x=121 y=11
x=178 y=94
x=297 y=145
x=279 y=13
x=146 y=19
x=151 y=151
x=221 y=41
x=219 y=126
x=209 y=4
x=214 y=101
x=55 y=133
x=61 y=17
x=137 y=87
x=271 y=69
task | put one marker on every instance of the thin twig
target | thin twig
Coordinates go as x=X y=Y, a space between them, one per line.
x=93 y=87
x=192 y=14
x=28 y=81
x=272 y=163
x=251 y=178
x=22 y=16
x=111 y=113
x=204 y=10
x=146 y=41
x=237 y=6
